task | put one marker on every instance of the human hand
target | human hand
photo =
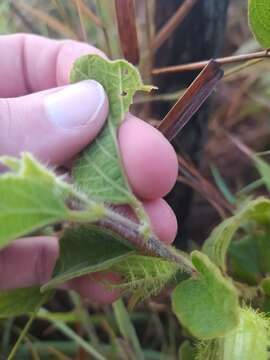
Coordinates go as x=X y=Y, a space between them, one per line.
x=41 y=113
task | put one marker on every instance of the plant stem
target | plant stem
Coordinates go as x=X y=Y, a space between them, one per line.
x=153 y=246
x=135 y=234
x=201 y=64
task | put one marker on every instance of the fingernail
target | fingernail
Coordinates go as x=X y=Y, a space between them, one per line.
x=76 y=105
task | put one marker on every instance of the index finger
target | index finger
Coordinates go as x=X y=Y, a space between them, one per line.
x=31 y=63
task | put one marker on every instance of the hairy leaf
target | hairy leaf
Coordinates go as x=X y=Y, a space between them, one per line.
x=249 y=340
x=208 y=305
x=21 y=301
x=216 y=246
x=85 y=250
x=144 y=276
x=259 y=19
x=31 y=196
x=99 y=171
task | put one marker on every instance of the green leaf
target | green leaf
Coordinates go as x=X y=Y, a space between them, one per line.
x=187 y=351
x=265 y=285
x=264 y=170
x=208 y=305
x=249 y=340
x=250 y=258
x=244 y=259
x=99 y=171
x=21 y=301
x=216 y=246
x=259 y=20
x=145 y=276
x=31 y=196
x=85 y=250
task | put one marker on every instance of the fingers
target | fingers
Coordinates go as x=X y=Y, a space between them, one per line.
x=54 y=124
x=58 y=123
x=33 y=63
x=162 y=218
x=96 y=287
x=30 y=262
x=149 y=159
x=27 y=262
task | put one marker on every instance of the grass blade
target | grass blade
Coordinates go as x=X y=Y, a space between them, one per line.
x=126 y=328
x=66 y=330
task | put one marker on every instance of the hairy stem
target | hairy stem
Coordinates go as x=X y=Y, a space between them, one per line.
x=134 y=233
x=131 y=231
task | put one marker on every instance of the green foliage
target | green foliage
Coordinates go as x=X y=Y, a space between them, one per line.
x=31 y=197
x=249 y=340
x=99 y=171
x=244 y=259
x=259 y=20
x=144 y=276
x=21 y=301
x=126 y=328
x=265 y=285
x=208 y=305
x=250 y=258
x=216 y=246
x=264 y=170
x=84 y=250
x=187 y=351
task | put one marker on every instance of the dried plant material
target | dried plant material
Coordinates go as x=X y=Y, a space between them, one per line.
x=88 y=13
x=49 y=20
x=191 y=101
x=165 y=32
x=256 y=56
x=126 y=21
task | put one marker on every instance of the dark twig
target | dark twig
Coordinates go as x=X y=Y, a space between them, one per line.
x=126 y=22
x=191 y=101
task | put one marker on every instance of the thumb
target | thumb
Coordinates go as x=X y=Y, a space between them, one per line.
x=54 y=124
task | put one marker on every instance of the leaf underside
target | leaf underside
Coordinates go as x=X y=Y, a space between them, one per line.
x=99 y=171
x=84 y=250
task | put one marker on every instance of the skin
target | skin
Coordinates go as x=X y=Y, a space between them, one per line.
x=32 y=64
